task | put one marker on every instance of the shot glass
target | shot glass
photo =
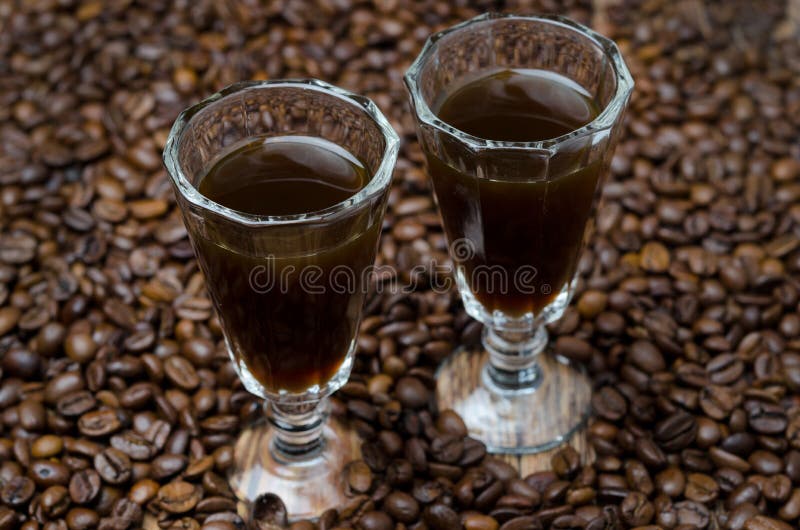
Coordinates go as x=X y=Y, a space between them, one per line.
x=290 y=333
x=516 y=216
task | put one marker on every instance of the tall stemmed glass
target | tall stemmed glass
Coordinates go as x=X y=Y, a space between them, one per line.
x=511 y=397
x=298 y=452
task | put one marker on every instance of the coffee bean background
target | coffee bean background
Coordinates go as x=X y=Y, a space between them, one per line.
x=118 y=403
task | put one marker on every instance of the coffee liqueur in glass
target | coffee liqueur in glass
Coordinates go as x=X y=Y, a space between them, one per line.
x=282 y=186
x=518 y=118
x=287 y=327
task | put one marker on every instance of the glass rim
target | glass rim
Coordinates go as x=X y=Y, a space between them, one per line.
x=603 y=121
x=381 y=177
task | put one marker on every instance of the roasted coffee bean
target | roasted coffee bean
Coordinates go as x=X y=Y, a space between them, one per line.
x=765 y=463
x=701 y=488
x=692 y=513
x=776 y=488
x=359 y=477
x=268 y=509
x=609 y=404
x=401 y=506
x=81 y=519
x=54 y=501
x=180 y=497
x=165 y=466
x=46 y=446
x=76 y=403
x=17 y=491
x=671 y=482
x=566 y=462
x=411 y=392
x=649 y=453
x=113 y=465
x=676 y=432
x=440 y=517
x=525 y=522
x=133 y=445
x=740 y=443
x=375 y=520
x=46 y=473
x=84 y=486
x=761 y=522
x=99 y=423
x=636 y=510
x=8 y=518
x=638 y=478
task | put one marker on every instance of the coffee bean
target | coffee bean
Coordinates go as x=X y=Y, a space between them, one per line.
x=646 y=357
x=46 y=446
x=766 y=418
x=99 y=423
x=528 y=522
x=81 y=519
x=374 y=520
x=440 y=517
x=80 y=347
x=701 y=488
x=84 y=486
x=76 y=403
x=566 y=462
x=181 y=372
x=113 y=465
x=671 y=482
x=54 y=501
x=17 y=491
x=359 y=477
x=449 y=422
x=63 y=384
x=649 y=453
x=411 y=392
x=636 y=510
x=32 y=415
x=133 y=445
x=477 y=521
x=401 y=506
x=760 y=522
x=268 y=509
x=776 y=488
x=717 y=401
x=609 y=404
x=638 y=477
x=46 y=473
x=676 y=432
x=692 y=513
x=143 y=491
x=180 y=497
x=573 y=348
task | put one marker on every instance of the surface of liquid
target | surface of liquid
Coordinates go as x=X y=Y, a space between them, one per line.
x=515 y=222
x=285 y=331
x=283 y=175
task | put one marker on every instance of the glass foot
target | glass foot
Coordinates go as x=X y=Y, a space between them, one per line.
x=536 y=418
x=307 y=487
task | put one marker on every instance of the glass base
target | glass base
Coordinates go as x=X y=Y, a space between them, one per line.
x=308 y=487
x=538 y=417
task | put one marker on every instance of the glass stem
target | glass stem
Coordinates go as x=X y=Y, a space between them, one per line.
x=513 y=358
x=298 y=429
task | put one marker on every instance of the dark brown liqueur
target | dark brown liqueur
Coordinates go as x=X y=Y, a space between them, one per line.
x=514 y=221
x=287 y=335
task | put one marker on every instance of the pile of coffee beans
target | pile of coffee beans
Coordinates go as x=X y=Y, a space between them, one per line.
x=119 y=408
